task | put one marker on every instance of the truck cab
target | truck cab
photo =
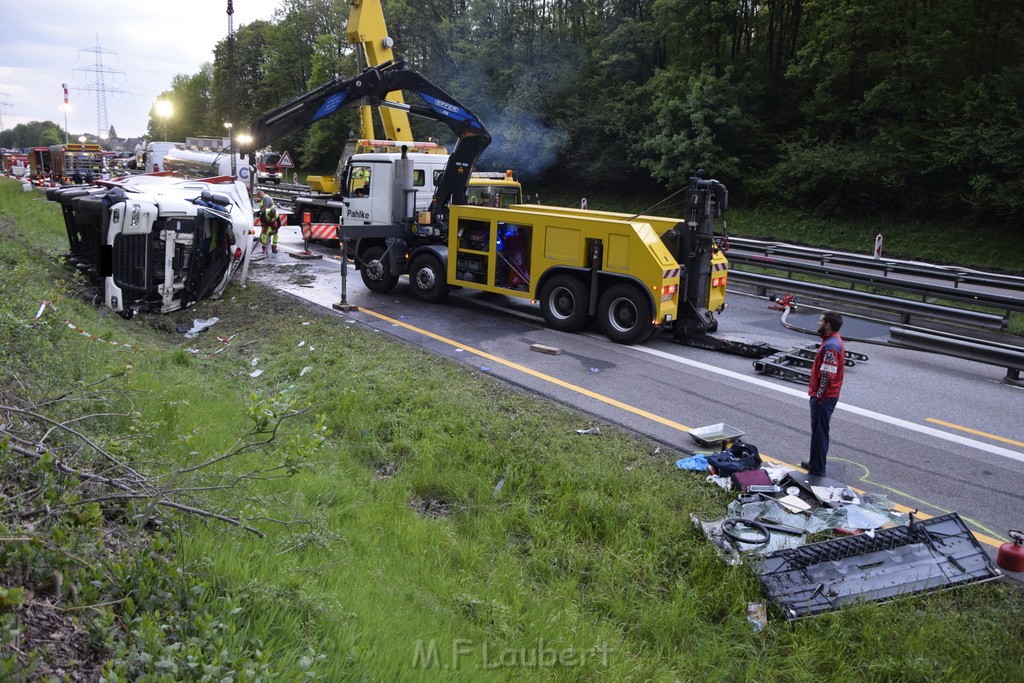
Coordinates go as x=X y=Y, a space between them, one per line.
x=153 y=155
x=377 y=192
x=267 y=167
x=156 y=243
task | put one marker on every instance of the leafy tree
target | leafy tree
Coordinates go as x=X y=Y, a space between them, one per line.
x=984 y=147
x=32 y=134
x=882 y=82
x=697 y=122
x=888 y=106
x=241 y=92
x=325 y=140
x=51 y=135
x=191 y=117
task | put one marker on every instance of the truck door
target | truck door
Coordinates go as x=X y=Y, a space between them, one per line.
x=359 y=184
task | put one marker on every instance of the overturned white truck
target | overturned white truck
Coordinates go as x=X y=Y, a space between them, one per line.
x=157 y=243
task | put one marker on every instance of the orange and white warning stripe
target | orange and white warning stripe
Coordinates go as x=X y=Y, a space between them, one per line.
x=319 y=231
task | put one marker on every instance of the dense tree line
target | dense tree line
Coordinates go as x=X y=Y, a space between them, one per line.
x=909 y=108
x=32 y=134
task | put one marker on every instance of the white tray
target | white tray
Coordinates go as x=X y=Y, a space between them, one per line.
x=716 y=434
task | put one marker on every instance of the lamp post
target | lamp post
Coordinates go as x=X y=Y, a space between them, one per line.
x=244 y=139
x=164 y=109
x=65 y=106
x=231 y=148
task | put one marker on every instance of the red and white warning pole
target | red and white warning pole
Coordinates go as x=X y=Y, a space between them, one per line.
x=878 y=246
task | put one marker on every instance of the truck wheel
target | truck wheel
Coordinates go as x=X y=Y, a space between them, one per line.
x=427 y=277
x=563 y=301
x=624 y=314
x=88 y=204
x=327 y=216
x=376 y=272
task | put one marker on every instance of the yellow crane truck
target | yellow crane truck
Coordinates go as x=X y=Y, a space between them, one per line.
x=633 y=274
x=367 y=33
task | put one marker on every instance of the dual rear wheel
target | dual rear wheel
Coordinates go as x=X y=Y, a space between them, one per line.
x=623 y=312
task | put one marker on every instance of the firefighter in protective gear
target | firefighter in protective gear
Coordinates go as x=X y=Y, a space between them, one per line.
x=269 y=220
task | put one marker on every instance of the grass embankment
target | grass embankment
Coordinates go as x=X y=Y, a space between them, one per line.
x=390 y=552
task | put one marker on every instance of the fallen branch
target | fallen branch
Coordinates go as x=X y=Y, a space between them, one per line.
x=100 y=479
x=78 y=434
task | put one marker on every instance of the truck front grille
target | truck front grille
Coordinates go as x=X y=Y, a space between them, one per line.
x=132 y=263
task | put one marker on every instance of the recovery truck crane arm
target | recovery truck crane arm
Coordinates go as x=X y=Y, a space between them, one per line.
x=367 y=32
x=375 y=83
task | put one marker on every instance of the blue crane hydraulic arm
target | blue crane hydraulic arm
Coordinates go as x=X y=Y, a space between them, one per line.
x=375 y=83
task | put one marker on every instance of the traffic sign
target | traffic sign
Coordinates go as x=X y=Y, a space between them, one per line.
x=285 y=161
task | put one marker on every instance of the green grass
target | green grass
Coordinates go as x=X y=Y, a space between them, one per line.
x=584 y=566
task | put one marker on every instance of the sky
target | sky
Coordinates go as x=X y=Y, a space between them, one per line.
x=142 y=45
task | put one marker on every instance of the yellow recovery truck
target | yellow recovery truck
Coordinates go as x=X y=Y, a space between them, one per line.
x=634 y=274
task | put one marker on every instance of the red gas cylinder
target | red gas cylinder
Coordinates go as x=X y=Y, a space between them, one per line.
x=1011 y=555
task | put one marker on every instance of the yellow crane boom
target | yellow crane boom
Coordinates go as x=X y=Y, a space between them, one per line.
x=367 y=31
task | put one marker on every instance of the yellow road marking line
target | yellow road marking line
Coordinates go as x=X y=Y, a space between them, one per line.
x=534 y=373
x=975 y=432
x=624 y=406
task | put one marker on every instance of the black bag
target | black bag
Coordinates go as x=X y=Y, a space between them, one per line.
x=739 y=458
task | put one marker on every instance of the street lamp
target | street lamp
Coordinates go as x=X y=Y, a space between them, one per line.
x=244 y=139
x=231 y=148
x=164 y=109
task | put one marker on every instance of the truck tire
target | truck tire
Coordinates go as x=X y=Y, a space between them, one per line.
x=327 y=216
x=563 y=301
x=427 y=277
x=624 y=314
x=376 y=273
x=91 y=204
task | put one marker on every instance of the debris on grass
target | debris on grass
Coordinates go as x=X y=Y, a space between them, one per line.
x=200 y=325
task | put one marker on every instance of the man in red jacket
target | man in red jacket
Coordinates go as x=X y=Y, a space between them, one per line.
x=825 y=385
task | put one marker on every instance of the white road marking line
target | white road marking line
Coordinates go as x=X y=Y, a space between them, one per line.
x=863 y=412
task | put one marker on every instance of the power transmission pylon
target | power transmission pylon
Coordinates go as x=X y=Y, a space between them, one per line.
x=99 y=86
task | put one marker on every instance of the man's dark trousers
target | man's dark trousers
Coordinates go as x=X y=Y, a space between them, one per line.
x=821 y=415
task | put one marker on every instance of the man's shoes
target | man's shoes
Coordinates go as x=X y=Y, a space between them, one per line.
x=807 y=466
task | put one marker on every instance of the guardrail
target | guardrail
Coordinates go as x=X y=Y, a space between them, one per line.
x=904 y=309
x=285 y=195
x=994 y=300
x=989 y=353
x=1010 y=298
x=954 y=274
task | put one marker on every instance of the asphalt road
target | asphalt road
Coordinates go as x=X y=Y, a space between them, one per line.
x=935 y=434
